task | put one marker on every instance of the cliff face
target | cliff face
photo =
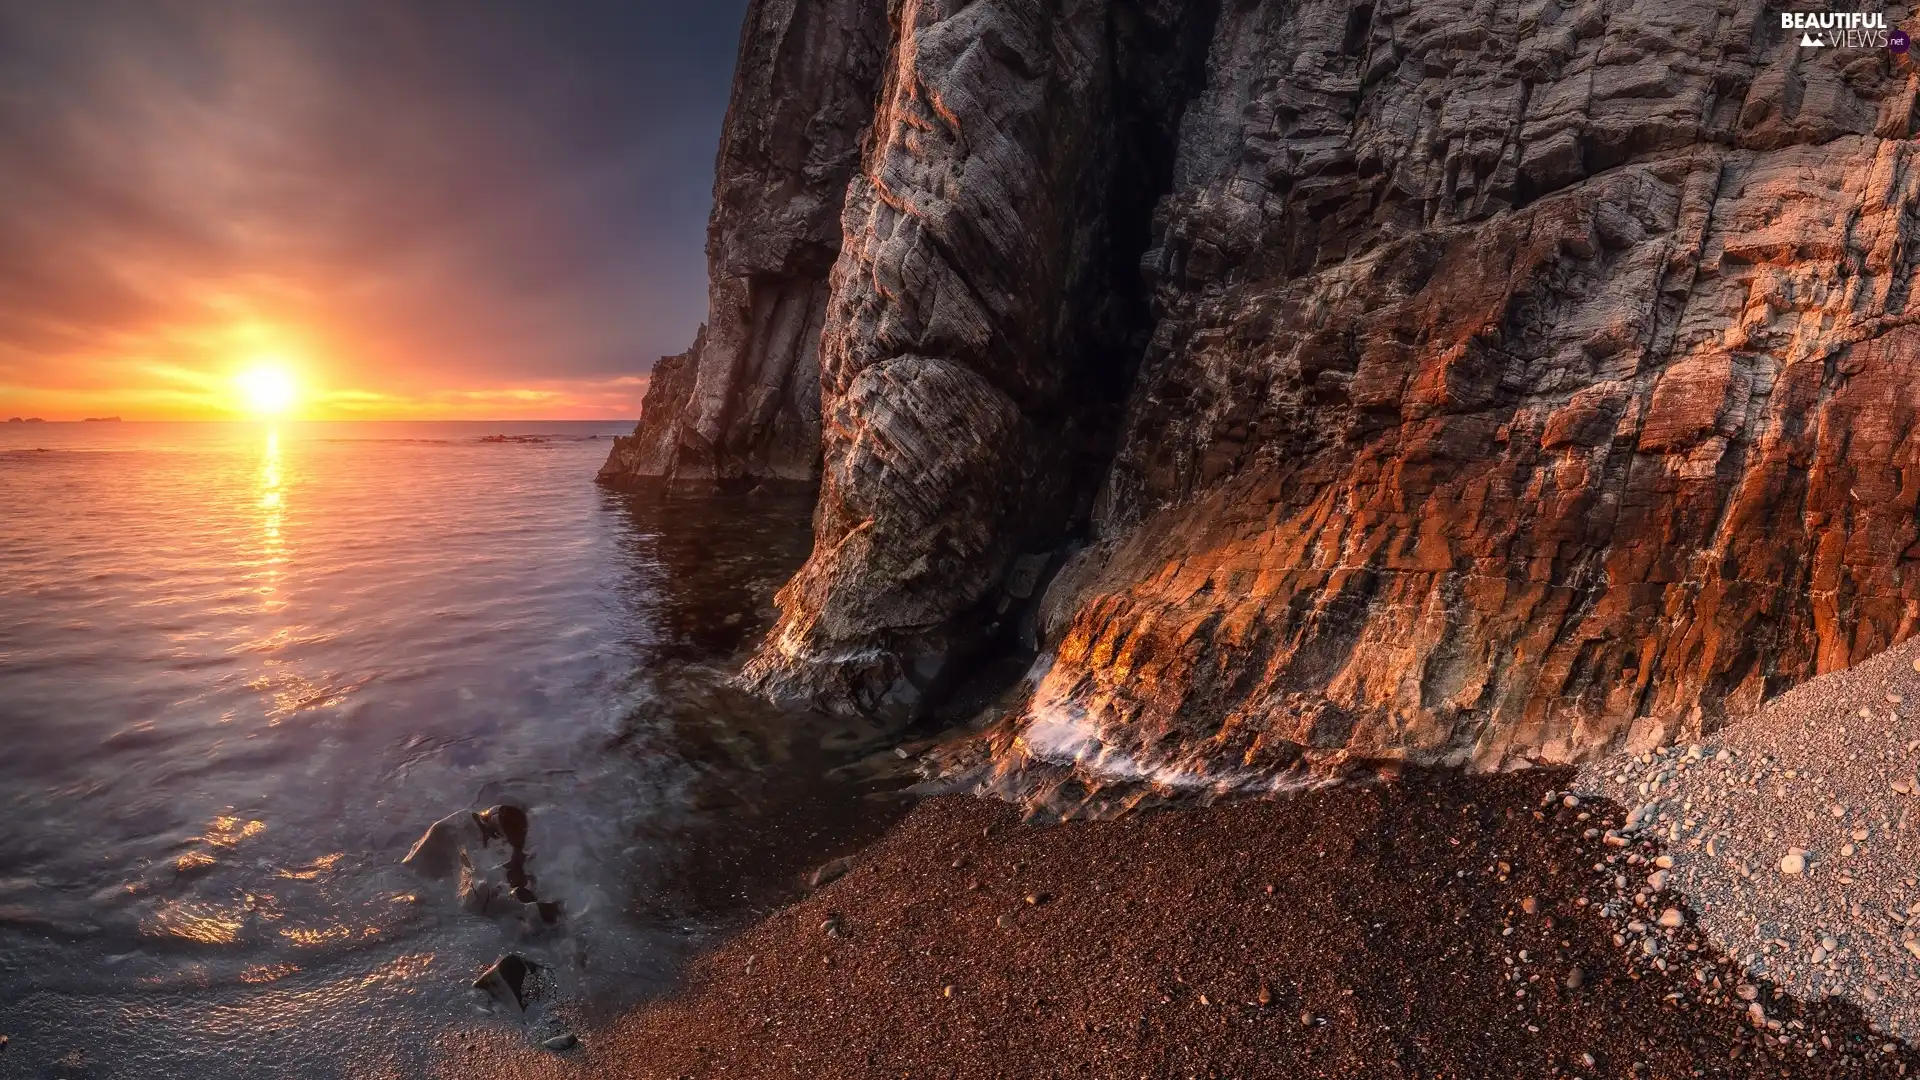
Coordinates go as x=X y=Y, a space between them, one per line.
x=984 y=311
x=1514 y=380
x=744 y=401
x=1527 y=382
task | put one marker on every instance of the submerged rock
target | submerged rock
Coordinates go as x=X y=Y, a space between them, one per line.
x=462 y=841
x=440 y=851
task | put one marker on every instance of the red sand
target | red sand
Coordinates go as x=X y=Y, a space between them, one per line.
x=1347 y=933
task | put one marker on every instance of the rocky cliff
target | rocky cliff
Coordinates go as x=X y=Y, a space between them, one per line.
x=744 y=401
x=1456 y=382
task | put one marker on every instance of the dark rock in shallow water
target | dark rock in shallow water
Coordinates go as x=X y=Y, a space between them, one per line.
x=440 y=851
x=505 y=822
x=478 y=893
x=458 y=841
x=512 y=980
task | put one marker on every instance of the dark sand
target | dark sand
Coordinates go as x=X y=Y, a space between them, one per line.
x=1359 y=932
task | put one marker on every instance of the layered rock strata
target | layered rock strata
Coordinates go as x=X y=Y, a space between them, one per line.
x=1512 y=381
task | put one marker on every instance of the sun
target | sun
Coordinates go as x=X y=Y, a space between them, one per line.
x=267 y=387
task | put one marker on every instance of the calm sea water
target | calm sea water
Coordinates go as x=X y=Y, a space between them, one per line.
x=242 y=668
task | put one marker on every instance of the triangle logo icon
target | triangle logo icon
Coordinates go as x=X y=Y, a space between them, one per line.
x=1808 y=41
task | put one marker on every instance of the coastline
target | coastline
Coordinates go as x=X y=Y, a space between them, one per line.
x=1423 y=928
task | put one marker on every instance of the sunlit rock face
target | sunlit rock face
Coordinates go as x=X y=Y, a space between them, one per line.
x=1528 y=380
x=744 y=401
x=1505 y=383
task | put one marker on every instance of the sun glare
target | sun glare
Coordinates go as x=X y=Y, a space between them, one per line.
x=267 y=387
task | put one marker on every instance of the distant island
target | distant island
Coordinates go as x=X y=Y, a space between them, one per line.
x=101 y=420
x=28 y=420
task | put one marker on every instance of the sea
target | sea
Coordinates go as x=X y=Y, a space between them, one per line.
x=244 y=666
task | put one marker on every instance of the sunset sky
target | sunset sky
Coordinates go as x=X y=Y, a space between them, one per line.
x=418 y=208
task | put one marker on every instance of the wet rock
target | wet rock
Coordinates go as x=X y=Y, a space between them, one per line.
x=506 y=823
x=1576 y=978
x=539 y=919
x=471 y=843
x=561 y=1043
x=439 y=851
x=513 y=980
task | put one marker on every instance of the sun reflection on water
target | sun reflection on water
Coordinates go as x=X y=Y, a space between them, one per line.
x=272 y=505
x=207 y=924
x=266 y=973
x=313 y=870
x=228 y=830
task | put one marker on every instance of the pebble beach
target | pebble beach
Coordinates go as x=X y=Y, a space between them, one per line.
x=1440 y=926
x=1790 y=836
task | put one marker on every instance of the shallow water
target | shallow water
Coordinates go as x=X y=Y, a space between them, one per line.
x=242 y=668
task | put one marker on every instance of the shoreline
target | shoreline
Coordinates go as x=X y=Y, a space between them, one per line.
x=1429 y=927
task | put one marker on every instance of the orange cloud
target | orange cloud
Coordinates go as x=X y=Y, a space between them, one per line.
x=492 y=216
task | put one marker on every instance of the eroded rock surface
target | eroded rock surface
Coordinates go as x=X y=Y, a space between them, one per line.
x=985 y=315
x=744 y=401
x=1530 y=380
x=1508 y=382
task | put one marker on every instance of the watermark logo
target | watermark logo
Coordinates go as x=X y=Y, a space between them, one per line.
x=1899 y=42
x=1839 y=29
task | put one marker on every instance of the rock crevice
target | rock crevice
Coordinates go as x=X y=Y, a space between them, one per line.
x=983 y=313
